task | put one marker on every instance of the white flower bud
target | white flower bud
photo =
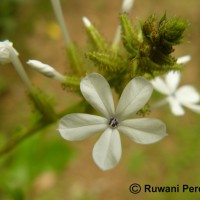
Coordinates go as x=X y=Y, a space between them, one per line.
x=46 y=70
x=86 y=22
x=42 y=68
x=127 y=5
x=183 y=59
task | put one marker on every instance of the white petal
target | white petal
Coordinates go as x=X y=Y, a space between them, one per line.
x=183 y=59
x=175 y=106
x=187 y=94
x=134 y=97
x=172 y=80
x=193 y=107
x=97 y=92
x=144 y=130
x=80 y=126
x=107 y=150
x=160 y=86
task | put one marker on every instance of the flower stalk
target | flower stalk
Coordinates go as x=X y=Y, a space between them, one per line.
x=72 y=52
x=60 y=18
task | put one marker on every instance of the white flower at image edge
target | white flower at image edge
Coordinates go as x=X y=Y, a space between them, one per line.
x=107 y=150
x=5 y=48
x=185 y=95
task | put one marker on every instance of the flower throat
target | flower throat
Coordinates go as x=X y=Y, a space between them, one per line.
x=113 y=122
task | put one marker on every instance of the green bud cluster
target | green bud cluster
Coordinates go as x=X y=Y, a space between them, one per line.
x=161 y=36
x=147 y=49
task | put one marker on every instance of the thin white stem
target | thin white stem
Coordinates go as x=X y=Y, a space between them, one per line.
x=19 y=68
x=158 y=104
x=59 y=15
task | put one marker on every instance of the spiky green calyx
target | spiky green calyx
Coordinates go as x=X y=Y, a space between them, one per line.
x=107 y=61
x=43 y=105
x=71 y=83
x=128 y=35
x=95 y=39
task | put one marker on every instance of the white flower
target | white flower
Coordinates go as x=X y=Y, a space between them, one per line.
x=107 y=150
x=5 y=47
x=186 y=95
x=8 y=54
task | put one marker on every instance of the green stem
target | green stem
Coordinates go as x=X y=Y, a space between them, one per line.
x=12 y=144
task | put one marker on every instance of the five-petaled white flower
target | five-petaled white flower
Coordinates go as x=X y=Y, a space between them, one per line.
x=107 y=150
x=186 y=95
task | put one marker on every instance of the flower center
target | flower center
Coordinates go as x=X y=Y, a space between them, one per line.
x=113 y=122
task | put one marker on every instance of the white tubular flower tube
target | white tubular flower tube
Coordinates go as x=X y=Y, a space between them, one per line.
x=59 y=15
x=46 y=70
x=126 y=7
x=9 y=55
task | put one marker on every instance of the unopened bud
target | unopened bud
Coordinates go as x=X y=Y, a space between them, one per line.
x=86 y=22
x=46 y=70
x=127 y=5
x=183 y=59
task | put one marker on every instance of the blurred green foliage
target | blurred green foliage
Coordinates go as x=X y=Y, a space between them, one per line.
x=38 y=154
x=3 y=85
x=8 y=17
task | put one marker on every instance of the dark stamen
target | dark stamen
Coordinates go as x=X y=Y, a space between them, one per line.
x=113 y=122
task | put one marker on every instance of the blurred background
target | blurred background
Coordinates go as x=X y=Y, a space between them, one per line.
x=44 y=166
